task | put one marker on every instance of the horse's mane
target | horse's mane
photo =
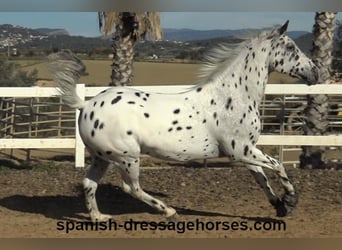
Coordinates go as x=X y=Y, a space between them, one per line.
x=222 y=56
x=219 y=58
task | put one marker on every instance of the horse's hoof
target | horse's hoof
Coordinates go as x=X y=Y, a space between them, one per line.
x=285 y=206
x=290 y=200
x=282 y=210
x=101 y=218
x=173 y=217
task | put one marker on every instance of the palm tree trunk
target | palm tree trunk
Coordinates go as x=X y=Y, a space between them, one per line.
x=317 y=108
x=128 y=27
x=122 y=65
x=123 y=42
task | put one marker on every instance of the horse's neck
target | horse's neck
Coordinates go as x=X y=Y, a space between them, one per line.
x=246 y=78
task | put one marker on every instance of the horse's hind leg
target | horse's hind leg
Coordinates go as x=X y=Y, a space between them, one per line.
x=90 y=183
x=129 y=170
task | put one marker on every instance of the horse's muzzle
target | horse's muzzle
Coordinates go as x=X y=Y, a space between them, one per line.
x=315 y=74
x=312 y=77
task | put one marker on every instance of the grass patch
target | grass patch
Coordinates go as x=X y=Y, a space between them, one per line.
x=145 y=73
x=44 y=167
x=28 y=62
x=4 y=168
x=8 y=165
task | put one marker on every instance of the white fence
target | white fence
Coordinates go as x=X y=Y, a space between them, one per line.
x=83 y=92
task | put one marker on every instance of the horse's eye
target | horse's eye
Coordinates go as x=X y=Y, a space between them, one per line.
x=290 y=47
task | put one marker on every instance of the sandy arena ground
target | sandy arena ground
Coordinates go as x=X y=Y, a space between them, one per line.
x=41 y=200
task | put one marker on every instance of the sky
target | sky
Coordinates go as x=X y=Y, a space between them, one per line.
x=86 y=24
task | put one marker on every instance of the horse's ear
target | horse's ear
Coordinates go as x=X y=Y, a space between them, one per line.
x=283 y=28
x=278 y=31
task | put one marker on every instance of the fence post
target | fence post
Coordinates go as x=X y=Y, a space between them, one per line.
x=79 y=146
x=12 y=128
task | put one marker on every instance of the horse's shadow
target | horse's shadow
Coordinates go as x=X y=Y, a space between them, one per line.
x=111 y=201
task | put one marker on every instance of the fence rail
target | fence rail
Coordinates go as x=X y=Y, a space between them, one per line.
x=86 y=92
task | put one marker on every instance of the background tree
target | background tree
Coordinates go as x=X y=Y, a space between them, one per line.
x=317 y=108
x=128 y=28
x=12 y=76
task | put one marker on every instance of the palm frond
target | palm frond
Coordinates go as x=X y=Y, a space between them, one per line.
x=152 y=24
x=149 y=23
x=107 y=21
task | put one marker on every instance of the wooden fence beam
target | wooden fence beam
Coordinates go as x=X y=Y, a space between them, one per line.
x=30 y=143
x=77 y=144
x=303 y=140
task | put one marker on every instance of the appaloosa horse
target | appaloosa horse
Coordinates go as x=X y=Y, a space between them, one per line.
x=219 y=116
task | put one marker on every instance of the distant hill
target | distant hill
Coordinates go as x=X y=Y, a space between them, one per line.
x=305 y=43
x=52 y=32
x=191 y=35
x=181 y=44
x=46 y=39
x=296 y=34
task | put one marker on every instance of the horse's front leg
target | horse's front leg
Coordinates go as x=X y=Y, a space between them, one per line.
x=288 y=202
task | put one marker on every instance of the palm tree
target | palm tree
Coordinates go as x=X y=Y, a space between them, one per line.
x=129 y=27
x=316 y=111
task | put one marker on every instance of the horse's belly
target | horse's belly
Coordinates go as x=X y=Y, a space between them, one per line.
x=182 y=152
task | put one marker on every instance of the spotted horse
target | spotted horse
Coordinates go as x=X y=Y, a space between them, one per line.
x=218 y=116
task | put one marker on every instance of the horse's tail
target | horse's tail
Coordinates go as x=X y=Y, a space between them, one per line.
x=66 y=70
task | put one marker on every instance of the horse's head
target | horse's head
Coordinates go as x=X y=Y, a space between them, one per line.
x=286 y=57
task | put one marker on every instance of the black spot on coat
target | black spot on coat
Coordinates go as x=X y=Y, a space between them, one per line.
x=116 y=100
x=96 y=123
x=245 y=151
x=233 y=144
x=176 y=111
x=229 y=102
